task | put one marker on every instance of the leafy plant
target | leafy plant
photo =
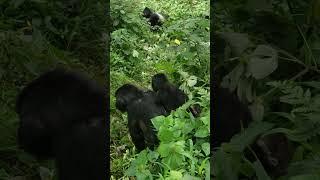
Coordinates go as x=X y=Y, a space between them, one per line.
x=265 y=53
x=183 y=150
x=180 y=49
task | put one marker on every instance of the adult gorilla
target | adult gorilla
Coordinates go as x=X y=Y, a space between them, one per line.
x=62 y=116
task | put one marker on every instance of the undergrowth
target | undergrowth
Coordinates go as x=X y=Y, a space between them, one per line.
x=180 y=49
x=267 y=52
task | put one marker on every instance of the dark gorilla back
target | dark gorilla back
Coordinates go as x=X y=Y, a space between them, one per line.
x=62 y=116
x=144 y=110
x=169 y=95
x=141 y=108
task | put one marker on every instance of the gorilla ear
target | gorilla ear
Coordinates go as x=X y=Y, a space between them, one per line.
x=121 y=105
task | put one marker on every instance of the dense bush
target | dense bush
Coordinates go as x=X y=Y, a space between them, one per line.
x=180 y=49
x=267 y=52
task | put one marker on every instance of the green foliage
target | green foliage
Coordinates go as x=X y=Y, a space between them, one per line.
x=266 y=53
x=182 y=43
x=180 y=49
x=184 y=145
x=183 y=151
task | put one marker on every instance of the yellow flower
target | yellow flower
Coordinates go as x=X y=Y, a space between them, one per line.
x=177 y=41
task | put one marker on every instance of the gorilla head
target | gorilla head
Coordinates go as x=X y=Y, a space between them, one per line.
x=153 y=17
x=125 y=95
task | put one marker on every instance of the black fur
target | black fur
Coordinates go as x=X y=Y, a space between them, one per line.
x=62 y=116
x=275 y=153
x=141 y=108
x=147 y=12
x=230 y=115
x=80 y=153
x=169 y=95
x=153 y=17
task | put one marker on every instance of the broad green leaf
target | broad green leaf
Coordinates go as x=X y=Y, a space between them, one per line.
x=175 y=175
x=192 y=80
x=172 y=153
x=249 y=93
x=240 y=141
x=165 y=134
x=189 y=177
x=257 y=111
x=153 y=155
x=260 y=171
x=238 y=41
x=263 y=61
x=222 y=166
x=158 y=121
x=202 y=132
x=302 y=133
x=206 y=148
x=232 y=79
x=242 y=88
x=206 y=120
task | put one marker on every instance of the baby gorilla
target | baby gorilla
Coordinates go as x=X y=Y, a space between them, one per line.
x=62 y=116
x=170 y=96
x=141 y=108
x=154 y=17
